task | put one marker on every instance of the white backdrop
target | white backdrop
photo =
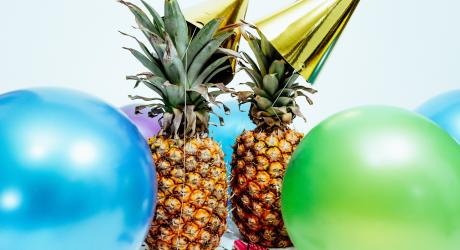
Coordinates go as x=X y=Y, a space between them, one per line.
x=394 y=52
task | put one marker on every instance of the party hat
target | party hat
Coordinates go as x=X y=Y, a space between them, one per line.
x=305 y=32
x=231 y=12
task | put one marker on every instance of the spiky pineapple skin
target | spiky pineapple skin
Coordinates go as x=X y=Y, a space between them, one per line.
x=192 y=194
x=258 y=164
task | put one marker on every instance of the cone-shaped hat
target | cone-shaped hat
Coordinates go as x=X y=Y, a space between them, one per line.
x=305 y=32
x=230 y=11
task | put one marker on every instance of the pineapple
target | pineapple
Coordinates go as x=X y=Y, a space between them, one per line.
x=192 y=183
x=260 y=156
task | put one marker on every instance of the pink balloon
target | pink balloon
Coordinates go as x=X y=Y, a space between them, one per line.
x=149 y=127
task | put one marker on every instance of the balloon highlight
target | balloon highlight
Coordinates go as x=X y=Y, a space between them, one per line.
x=75 y=174
x=444 y=110
x=374 y=178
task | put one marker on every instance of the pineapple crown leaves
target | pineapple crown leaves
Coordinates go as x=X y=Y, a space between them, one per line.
x=179 y=67
x=274 y=90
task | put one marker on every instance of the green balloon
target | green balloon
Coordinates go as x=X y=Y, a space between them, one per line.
x=374 y=178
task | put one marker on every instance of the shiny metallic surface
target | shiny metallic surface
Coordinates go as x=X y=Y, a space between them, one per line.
x=231 y=12
x=305 y=32
x=75 y=174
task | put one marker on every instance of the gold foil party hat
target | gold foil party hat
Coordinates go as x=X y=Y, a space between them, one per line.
x=305 y=32
x=231 y=12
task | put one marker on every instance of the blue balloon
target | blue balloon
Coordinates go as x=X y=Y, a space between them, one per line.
x=75 y=174
x=235 y=124
x=444 y=110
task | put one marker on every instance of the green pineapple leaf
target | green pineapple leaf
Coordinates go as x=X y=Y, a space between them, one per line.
x=251 y=62
x=144 y=48
x=176 y=26
x=153 y=66
x=257 y=78
x=255 y=47
x=283 y=101
x=172 y=64
x=201 y=39
x=270 y=84
x=222 y=69
x=141 y=18
x=204 y=55
x=157 y=20
x=262 y=102
x=213 y=67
